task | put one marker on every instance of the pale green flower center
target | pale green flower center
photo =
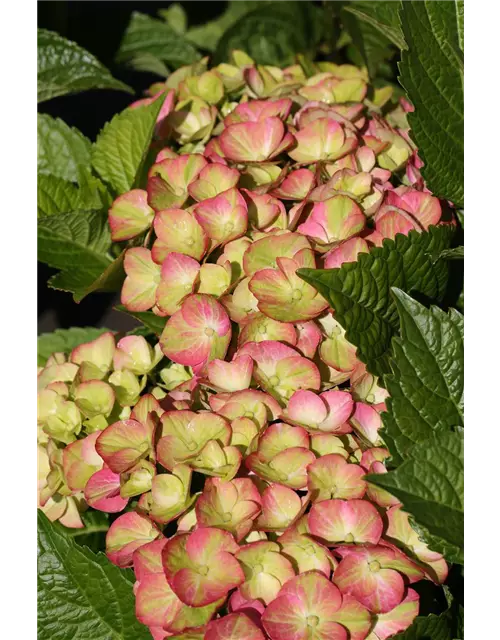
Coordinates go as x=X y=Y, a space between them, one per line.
x=374 y=566
x=312 y=621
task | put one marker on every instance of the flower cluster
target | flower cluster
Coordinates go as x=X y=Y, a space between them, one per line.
x=237 y=447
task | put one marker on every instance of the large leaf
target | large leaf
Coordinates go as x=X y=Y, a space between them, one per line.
x=430 y=485
x=55 y=195
x=78 y=244
x=111 y=279
x=64 y=67
x=427 y=382
x=81 y=595
x=274 y=33
x=157 y=38
x=372 y=45
x=149 y=63
x=63 y=151
x=64 y=341
x=381 y=15
x=121 y=147
x=432 y=74
x=360 y=292
x=152 y=322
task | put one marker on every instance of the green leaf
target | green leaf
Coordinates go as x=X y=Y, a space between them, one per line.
x=55 y=195
x=64 y=67
x=381 y=15
x=427 y=382
x=149 y=63
x=360 y=292
x=65 y=340
x=460 y=22
x=429 y=627
x=153 y=322
x=81 y=595
x=206 y=36
x=430 y=485
x=93 y=534
x=122 y=145
x=274 y=33
x=373 y=46
x=148 y=35
x=432 y=75
x=62 y=150
x=111 y=279
x=453 y=254
x=175 y=16
x=78 y=244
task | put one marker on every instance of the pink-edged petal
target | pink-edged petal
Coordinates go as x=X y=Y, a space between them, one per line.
x=143 y=276
x=155 y=602
x=252 y=141
x=179 y=274
x=398 y=619
x=350 y=521
x=102 y=492
x=332 y=477
x=128 y=532
x=307 y=408
x=234 y=626
x=231 y=376
x=130 y=215
x=199 y=332
x=178 y=231
x=224 y=217
x=346 y=252
x=296 y=186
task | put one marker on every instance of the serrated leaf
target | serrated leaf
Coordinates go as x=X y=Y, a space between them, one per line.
x=149 y=35
x=381 y=15
x=453 y=254
x=430 y=485
x=65 y=67
x=451 y=552
x=55 y=195
x=78 y=244
x=121 y=147
x=81 y=595
x=111 y=279
x=273 y=33
x=175 y=16
x=64 y=341
x=360 y=292
x=63 y=151
x=153 y=322
x=432 y=75
x=431 y=627
x=426 y=385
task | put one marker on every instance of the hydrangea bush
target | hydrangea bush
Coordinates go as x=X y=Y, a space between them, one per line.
x=237 y=448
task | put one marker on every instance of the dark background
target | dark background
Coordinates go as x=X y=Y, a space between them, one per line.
x=97 y=26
